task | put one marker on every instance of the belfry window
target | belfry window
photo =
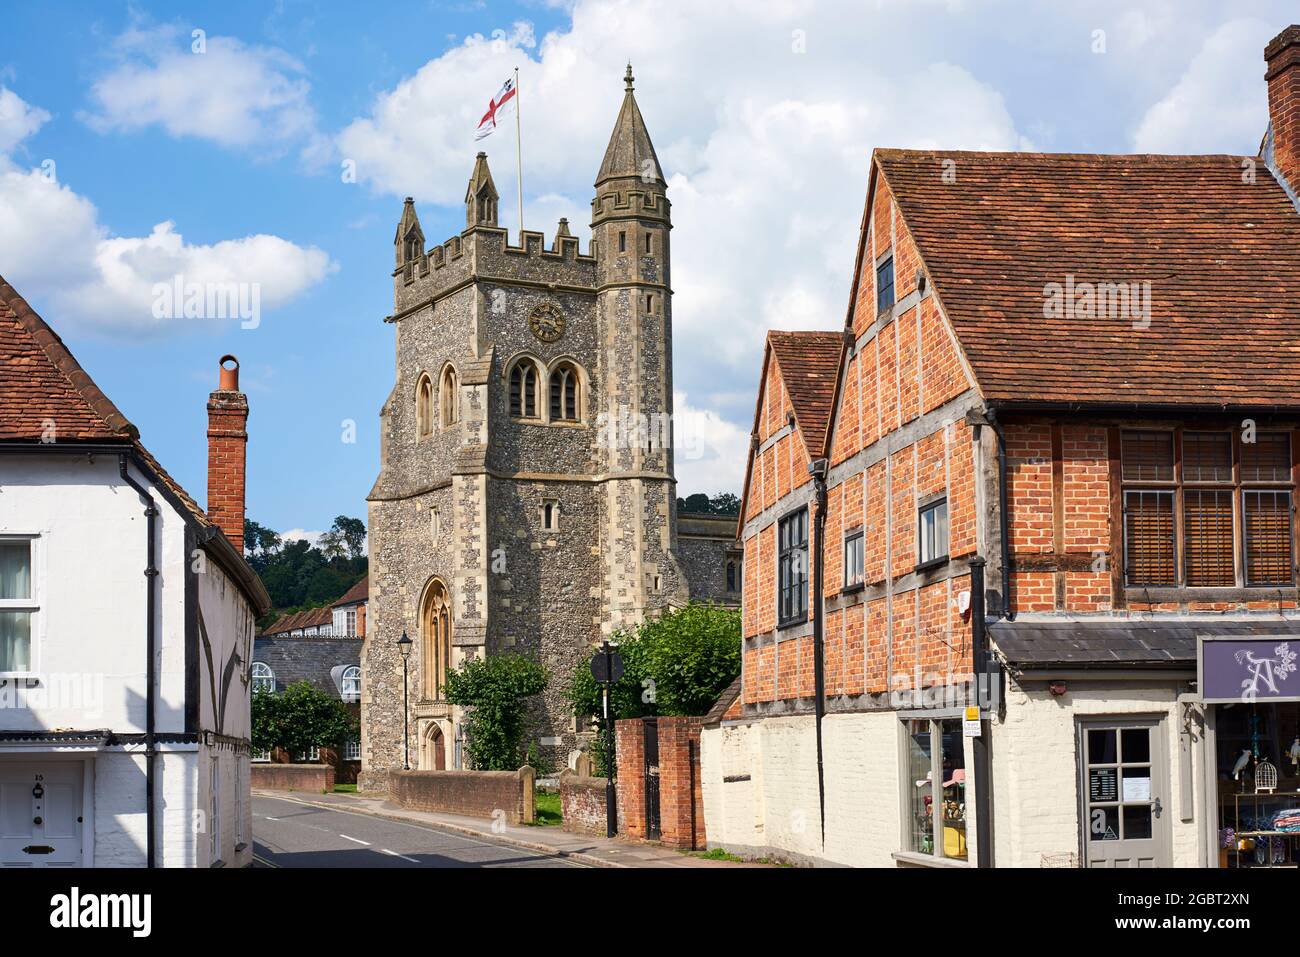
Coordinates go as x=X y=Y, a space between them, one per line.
x=564 y=393
x=523 y=390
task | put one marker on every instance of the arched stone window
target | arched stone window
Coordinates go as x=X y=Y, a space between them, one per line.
x=435 y=637
x=424 y=406
x=565 y=393
x=449 y=396
x=524 y=382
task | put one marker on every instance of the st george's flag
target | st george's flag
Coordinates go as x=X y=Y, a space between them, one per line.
x=496 y=108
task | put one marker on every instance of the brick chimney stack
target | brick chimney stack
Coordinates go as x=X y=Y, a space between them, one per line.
x=227 y=453
x=1283 y=76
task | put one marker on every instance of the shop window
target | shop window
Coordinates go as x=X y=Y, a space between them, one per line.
x=853 y=559
x=792 y=569
x=885 y=284
x=1193 y=502
x=932 y=532
x=934 y=788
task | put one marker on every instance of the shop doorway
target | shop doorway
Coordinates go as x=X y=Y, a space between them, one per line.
x=1124 y=792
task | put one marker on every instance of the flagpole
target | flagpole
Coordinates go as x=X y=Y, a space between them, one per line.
x=519 y=159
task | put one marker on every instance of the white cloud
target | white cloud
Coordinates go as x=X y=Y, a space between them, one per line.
x=18 y=120
x=1219 y=105
x=301 y=534
x=766 y=151
x=231 y=93
x=708 y=452
x=54 y=249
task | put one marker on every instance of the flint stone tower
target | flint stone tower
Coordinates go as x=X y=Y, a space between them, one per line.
x=526 y=499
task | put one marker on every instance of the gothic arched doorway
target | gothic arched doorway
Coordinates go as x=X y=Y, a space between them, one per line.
x=435 y=640
x=433 y=750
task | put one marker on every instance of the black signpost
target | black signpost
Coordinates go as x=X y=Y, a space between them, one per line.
x=607 y=668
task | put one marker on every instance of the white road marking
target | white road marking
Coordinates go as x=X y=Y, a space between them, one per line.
x=355 y=840
x=402 y=856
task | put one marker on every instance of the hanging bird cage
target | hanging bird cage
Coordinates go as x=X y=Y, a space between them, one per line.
x=1265 y=777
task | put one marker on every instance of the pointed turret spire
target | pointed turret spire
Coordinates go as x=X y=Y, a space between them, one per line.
x=630 y=152
x=410 y=237
x=563 y=228
x=481 y=195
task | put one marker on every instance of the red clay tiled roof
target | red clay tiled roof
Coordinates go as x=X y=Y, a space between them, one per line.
x=1222 y=256
x=810 y=364
x=357 y=593
x=43 y=384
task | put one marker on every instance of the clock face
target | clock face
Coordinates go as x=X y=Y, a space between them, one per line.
x=547 y=322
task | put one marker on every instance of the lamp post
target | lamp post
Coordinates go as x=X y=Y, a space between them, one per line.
x=404 y=646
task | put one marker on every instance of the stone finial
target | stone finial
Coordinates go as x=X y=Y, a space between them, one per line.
x=628 y=78
x=563 y=228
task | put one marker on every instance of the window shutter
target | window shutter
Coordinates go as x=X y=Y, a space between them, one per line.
x=1268 y=537
x=1148 y=456
x=1207 y=545
x=1149 y=537
x=1267 y=459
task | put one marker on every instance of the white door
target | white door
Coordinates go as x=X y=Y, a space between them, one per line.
x=1124 y=790
x=40 y=814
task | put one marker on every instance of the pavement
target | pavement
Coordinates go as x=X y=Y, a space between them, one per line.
x=286 y=834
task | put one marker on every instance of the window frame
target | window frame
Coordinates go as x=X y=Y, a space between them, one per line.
x=554 y=505
x=33 y=605
x=255 y=679
x=522 y=365
x=1235 y=484
x=352 y=749
x=855 y=536
x=794 y=616
x=424 y=406
x=345 y=678
x=567 y=376
x=928 y=506
x=908 y=787
x=881 y=266
x=448 y=397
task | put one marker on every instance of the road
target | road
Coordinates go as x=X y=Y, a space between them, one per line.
x=289 y=834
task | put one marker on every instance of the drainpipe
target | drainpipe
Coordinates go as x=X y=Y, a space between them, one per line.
x=980 y=746
x=151 y=579
x=817 y=468
x=1004 y=517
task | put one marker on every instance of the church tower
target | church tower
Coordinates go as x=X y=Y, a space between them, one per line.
x=630 y=232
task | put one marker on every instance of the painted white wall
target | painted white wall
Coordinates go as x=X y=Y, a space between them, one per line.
x=90 y=646
x=1036 y=776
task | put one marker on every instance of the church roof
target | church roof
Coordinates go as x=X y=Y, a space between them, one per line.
x=629 y=145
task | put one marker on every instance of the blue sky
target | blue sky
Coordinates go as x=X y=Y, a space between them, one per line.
x=764 y=116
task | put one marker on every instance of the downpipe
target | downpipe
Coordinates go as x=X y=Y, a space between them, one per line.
x=151 y=587
x=818 y=468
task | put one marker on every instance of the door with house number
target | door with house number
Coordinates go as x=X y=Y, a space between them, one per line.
x=40 y=814
x=1124 y=793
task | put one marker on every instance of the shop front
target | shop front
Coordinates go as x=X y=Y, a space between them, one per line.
x=1250 y=690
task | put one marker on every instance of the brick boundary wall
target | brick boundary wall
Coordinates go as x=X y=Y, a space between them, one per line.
x=292 y=777
x=471 y=793
x=582 y=802
x=629 y=750
x=681 y=792
x=681 y=796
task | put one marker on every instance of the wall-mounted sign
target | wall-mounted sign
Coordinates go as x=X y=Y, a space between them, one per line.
x=970 y=725
x=1102 y=785
x=1231 y=670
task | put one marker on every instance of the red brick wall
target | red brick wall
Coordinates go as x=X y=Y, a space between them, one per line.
x=582 y=803
x=629 y=746
x=487 y=794
x=681 y=800
x=318 y=778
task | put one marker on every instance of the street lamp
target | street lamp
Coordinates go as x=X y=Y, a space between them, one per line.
x=404 y=646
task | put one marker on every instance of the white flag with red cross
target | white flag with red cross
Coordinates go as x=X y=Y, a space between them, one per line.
x=497 y=107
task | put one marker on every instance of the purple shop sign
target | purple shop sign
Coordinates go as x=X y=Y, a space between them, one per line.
x=1259 y=668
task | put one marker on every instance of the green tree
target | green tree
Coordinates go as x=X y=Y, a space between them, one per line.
x=724 y=503
x=677 y=664
x=494 y=690
x=299 y=718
